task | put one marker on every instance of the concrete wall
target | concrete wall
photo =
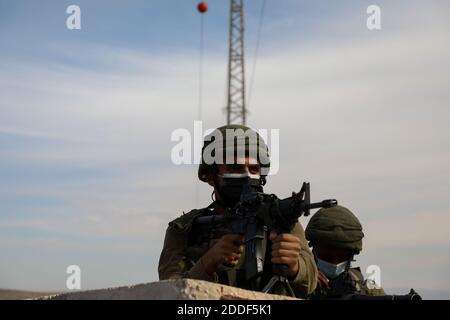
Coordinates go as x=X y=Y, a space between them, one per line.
x=183 y=289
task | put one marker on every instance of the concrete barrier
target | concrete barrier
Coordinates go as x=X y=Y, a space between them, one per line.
x=183 y=289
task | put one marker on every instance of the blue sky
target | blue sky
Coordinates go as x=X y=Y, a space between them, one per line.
x=86 y=118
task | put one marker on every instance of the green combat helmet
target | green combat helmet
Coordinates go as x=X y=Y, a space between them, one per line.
x=337 y=226
x=239 y=138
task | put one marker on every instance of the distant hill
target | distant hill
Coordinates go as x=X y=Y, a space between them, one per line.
x=20 y=295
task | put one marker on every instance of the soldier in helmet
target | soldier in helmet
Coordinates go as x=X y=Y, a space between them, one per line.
x=335 y=234
x=212 y=254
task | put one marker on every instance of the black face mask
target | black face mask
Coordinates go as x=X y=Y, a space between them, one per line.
x=233 y=183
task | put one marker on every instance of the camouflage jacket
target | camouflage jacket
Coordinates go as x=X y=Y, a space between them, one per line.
x=184 y=245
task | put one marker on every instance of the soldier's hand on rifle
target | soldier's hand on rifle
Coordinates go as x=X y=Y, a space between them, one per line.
x=226 y=251
x=286 y=250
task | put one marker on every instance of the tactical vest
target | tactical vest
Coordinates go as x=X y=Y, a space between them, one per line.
x=201 y=238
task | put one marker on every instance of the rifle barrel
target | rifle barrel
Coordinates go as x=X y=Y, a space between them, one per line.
x=323 y=204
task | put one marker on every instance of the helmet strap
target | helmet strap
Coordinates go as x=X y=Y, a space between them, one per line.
x=262 y=181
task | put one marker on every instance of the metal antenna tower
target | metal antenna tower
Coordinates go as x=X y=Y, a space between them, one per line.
x=236 y=109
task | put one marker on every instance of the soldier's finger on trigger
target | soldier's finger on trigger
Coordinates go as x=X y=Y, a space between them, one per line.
x=283 y=260
x=286 y=246
x=284 y=253
x=287 y=237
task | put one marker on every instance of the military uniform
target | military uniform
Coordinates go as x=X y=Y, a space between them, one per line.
x=184 y=245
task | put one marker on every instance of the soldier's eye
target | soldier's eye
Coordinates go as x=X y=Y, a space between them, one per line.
x=253 y=168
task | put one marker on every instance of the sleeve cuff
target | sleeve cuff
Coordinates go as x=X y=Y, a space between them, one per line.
x=301 y=274
x=305 y=281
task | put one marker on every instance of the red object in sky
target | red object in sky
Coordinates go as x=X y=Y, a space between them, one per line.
x=202 y=7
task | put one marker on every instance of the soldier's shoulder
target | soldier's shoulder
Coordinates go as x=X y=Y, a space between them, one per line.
x=184 y=221
x=298 y=230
